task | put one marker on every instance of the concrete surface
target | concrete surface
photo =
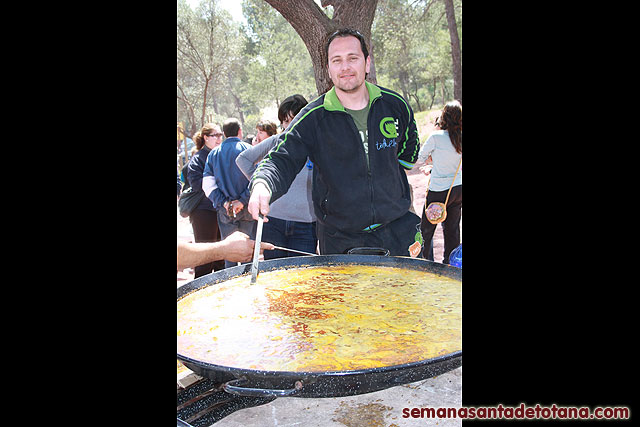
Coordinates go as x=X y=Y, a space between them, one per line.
x=378 y=409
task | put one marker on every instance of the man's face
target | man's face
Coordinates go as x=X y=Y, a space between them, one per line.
x=347 y=64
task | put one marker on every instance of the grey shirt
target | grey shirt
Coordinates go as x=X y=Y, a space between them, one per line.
x=296 y=204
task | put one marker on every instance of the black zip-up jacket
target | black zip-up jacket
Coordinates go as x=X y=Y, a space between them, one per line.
x=348 y=194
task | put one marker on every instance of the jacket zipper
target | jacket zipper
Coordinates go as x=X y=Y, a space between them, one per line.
x=366 y=161
x=369 y=175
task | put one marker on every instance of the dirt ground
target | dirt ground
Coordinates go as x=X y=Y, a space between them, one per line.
x=417 y=180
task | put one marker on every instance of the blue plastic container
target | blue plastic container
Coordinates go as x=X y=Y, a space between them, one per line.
x=455 y=258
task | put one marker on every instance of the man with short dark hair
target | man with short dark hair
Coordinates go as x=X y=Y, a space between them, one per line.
x=226 y=186
x=361 y=138
x=292 y=222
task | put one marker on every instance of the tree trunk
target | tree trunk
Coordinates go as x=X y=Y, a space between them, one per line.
x=433 y=95
x=313 y=27
x=403 y=78
x=191 y=115
x=456 y=55
x=415 y=96
x=204 y=100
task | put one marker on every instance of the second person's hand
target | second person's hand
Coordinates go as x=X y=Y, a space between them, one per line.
x=259 y=201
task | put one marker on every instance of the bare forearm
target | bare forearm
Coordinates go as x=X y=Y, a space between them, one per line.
x=194 y=254
x=235 y=248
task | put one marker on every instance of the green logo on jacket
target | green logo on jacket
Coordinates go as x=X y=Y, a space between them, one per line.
x=388 y=127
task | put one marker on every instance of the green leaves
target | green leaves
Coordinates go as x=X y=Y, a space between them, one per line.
x=226 y=69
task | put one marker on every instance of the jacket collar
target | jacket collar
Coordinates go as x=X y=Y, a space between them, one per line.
x=332 y=103
x=231 y=139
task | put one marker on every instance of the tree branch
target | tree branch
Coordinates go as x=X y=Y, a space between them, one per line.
x=303 y=16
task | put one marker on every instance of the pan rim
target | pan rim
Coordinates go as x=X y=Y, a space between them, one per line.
x=330 y=260
x=299 y=374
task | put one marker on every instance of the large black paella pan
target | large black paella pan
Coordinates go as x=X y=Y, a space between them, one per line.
x=245 y=380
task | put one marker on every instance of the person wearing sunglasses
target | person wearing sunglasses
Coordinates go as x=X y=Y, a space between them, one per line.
x=204 y=218
x=225 y=185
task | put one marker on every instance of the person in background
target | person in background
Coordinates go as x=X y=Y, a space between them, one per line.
x=226 y=186
x=292 y=221
x=445 y=148
x=361 y=138
x=237 y=248
x=265 y=129
x=204 y=218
